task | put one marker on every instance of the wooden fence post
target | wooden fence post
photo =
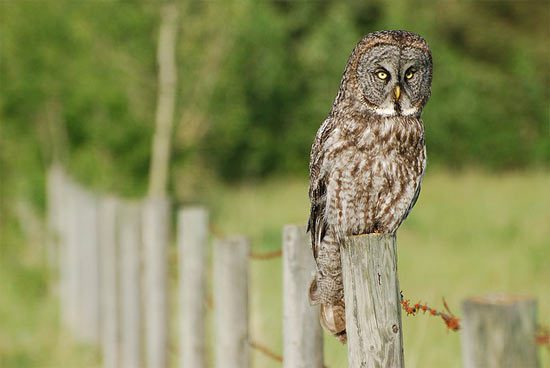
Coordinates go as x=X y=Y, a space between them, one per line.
x=192 y=244
x=499 y=331
x=156 y=225
x=109 y=253
x=130 y=285
x=372 y=296
x=71 y=258
x=88 y=268
x=55 y=200
x=231 y=302
x=302 y=333
x=65 y=253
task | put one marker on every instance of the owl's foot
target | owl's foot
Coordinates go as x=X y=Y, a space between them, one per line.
x=342 y=337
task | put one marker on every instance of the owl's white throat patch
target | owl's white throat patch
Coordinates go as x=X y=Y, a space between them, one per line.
x=386 y=111
x=409 y=111
x=392 y=111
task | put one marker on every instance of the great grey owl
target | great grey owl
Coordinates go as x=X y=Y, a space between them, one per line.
x=368 y=157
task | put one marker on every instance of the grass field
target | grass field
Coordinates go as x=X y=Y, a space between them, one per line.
x=468 y=234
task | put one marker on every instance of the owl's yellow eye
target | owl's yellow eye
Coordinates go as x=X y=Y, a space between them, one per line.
x=382 y=75
x=409 y=74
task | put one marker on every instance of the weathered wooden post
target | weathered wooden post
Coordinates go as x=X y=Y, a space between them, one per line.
x=55 y=198
x=88 y=268
x=372 y=296
x=65 y=252
x=499 y=331
x=231 y=302
x=155 y=230
x=129 y=235
x=302 y=333
x=192 y=244
x=109 y=254
x=71 y=257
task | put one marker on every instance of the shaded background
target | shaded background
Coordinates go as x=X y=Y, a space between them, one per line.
x=255 y=80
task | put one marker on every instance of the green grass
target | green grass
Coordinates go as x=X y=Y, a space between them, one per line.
x=30 y=336
x=469 y=234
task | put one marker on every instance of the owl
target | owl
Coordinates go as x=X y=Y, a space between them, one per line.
x=368 y=157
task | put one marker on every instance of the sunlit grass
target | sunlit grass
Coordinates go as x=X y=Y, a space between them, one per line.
x=30 y=333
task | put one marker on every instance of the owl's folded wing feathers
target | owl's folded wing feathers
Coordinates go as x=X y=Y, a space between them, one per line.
x=317 y=187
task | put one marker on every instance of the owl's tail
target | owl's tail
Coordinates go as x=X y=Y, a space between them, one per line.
x=332 y=317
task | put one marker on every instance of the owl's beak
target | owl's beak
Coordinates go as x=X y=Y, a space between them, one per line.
x=397 y=92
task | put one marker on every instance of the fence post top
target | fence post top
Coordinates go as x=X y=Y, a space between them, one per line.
x=499 y=299
x=156 y=198
x=195 y=210
x=233 y=239
x=288 y=227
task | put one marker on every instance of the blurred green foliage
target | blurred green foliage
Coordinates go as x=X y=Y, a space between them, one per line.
x=78 y=82
x=256 y=79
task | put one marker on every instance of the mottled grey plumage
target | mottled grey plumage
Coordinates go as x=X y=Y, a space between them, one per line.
x=368 y=157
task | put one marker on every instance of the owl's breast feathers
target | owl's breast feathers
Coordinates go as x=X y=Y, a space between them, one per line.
x=365 y=174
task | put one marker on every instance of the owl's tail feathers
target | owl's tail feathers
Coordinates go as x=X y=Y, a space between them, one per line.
x=332 y=317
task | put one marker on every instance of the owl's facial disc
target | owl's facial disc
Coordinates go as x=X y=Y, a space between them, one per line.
x=395 y=80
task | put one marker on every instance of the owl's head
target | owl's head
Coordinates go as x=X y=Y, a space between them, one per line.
x=392 y=71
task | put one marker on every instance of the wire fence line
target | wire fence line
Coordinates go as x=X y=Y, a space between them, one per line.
x=112 y=259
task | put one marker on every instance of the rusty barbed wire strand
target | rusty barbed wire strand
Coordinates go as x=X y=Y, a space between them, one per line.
x=451 y=321
x=214 y=230
x=252 y=255
x=209 y=301
x=265 y=256
x=542 y=337
x=253 y=344
x=265 y=350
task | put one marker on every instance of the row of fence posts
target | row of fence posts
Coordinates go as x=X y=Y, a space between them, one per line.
x=112 y=258
x=112 y=262
x=112 y=271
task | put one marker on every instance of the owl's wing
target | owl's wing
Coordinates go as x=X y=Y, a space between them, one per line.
x=317 y=186
x=418 y=185
x=413 y=202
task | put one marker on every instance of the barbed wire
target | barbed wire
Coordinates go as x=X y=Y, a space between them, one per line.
x=451 y=321
x=265 y=350
x=209 y=301
x=542 y=337
x=253 y=254
x=266 y=255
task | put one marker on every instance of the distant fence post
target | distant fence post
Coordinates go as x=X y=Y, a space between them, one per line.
x=71 y=258
x=302 y=333
x=55 y=201
x=499 y=331
x=156 y=225
x=109 y=253
x=372 y=296
x=65 y=252
x=130 y=285
x=192 y=243
x=88 y=267
x=231 y=302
